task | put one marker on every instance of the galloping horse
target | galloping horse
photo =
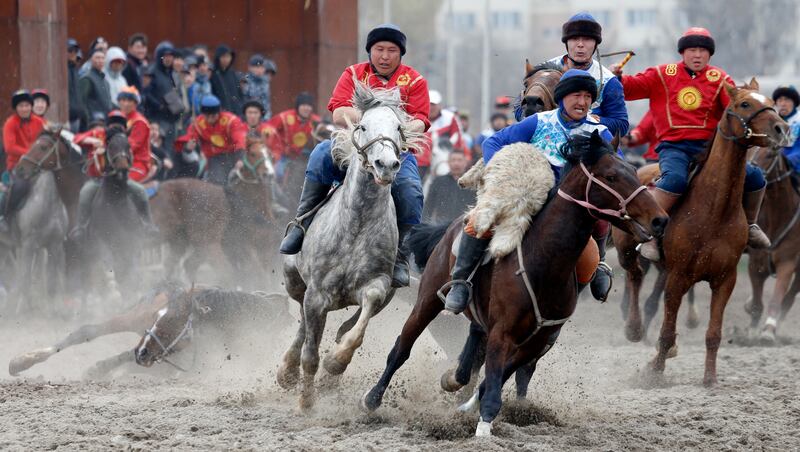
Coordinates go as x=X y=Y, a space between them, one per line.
x=708 y=230
x=349 y=250
x=538 y=86
x=780 y=218
x=518 y=297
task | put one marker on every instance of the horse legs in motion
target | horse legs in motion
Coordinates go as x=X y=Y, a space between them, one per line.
x=791 y=294
x=758 y=270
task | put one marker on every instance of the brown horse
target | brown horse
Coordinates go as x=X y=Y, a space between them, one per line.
x=708 y=230
x=514 y=295
x=780 y=218
x=537 y=87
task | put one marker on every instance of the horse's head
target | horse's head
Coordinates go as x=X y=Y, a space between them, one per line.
x=118 y=151
x=596 y=178
x=379 y=138
x=48 y=153
x=538 y=86
x=171 y=330
x=256 y=161
x=751 y=118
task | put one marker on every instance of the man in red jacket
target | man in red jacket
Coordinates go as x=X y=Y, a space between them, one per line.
x=687 y=100
x=220 y=136
x=386 y=45
x=291 y=135
x=19 y=132
x=644 y=133
x=138 y=133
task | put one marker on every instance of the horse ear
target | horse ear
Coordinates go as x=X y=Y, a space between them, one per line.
x=753 y=84
x=528 y=67
x=596 y=139
x=615 y=141
x=731 y=89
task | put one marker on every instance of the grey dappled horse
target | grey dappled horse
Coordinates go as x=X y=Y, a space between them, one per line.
x=37 y=232
x=349 y=250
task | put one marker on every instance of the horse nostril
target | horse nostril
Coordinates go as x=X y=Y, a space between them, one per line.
x=659 y=225
x=379 y=164
x=395 y=165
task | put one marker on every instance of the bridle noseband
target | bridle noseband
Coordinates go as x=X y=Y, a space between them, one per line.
x=252 y=168
x=745 y=123
x=362 y=149
x=621 y=213
x=186 y=333
x=53 y=149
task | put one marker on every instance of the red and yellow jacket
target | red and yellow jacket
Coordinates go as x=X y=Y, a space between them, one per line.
x=227 y=135
x=684 y=106
x=290 y=134
x=95 y=164
x=139 y=139
x=645 y=133
x=413 y=89
x=18 y=137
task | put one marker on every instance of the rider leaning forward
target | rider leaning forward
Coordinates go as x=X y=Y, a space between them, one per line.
x=137 y=130
x=291 y=132
x=19 y=132
x=787 y=99
x=386 y=45
x=687 y=100
x=548 y=131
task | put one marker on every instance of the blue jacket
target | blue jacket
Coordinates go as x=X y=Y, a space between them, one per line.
x=792 y=152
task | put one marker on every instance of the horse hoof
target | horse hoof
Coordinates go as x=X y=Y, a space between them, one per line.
x=333 y=366
x=710 y=381
x=369 y=402
x=673 y=351
x=287 y=377
x=748 y=306
x=307 y=401
x=473 y=404
x=692 y=320
x=18 y=364
x=448 y=381
x=484 y=428
x=768 y=336
x=634 y=333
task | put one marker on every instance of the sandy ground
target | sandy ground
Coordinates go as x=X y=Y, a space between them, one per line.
x=587 y=394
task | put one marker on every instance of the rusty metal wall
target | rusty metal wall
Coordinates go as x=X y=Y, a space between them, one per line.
x=311 y=41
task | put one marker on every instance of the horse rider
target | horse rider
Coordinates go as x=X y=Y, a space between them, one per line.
x=644 y=134
x=221 y=137
x=19 y=133
x=292 y=132
x=687 y=100
x=386 y=45
x=548 y=131
x=787 y=100
x=581 y=35
x=41 y=102
x=254 y=112
x=138 y=129
x=98 y=165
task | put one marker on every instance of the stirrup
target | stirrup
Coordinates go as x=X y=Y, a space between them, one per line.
x=451 y=283
x=297 y=223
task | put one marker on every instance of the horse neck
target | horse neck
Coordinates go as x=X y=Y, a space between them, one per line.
x=558 y=236
x=781 y=200
x=719 y=186
x=69 y=181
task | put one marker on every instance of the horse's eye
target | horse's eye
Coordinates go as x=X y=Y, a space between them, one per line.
x=745 y=104
x=611 y=178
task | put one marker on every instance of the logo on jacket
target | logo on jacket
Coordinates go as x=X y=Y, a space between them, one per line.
x=689 y=98
x=671 y=69
x=217 y=140
x=713 y=75
x=299 y=139
x=290 y=120
x=403 y=80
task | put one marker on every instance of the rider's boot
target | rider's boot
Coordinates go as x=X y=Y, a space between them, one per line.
x=649 y=250
x=756 y=238
x=88 y=191
x=400 y=275
x=313 y=194
x=142 y=205
x=602 y=280
x=470 y=252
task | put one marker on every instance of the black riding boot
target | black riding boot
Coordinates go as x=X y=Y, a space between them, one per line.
x=313 y=194
x=88 y=192
x=470 y=252
x=602 y=280
x=142 y=205
x=401 y=276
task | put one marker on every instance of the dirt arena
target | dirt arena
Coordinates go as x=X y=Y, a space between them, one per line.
x=588 y=394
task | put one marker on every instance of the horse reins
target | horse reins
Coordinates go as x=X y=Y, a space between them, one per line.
x=745 y=123
x=796 y=217
x=362 y=149
x=621 y=213
x=186 y=332
x=53 y=149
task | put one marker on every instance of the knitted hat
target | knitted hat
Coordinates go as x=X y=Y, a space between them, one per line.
x=304 y=98
x=254 y=103
x=21 y=96
x=387 y=32
x=41 y=93
x=575 y=80
x=210 y=104
x=116 y=117
x=696 y=37
x=787 y=91
x=582 y=24
x=130 y=93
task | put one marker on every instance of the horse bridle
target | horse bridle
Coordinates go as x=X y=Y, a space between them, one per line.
x=252 y=168
x=745 y=123
x=549 y=97
x=775 y=160
x=621 y=213
x=362 y=149
x=186 y=333
x=53 y=149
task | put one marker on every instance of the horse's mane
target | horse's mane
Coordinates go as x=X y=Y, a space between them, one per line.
x=580 y=149
x=546 y=66
x=365 y=99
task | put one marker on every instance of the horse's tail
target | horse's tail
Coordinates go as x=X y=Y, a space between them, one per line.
x=423 y=239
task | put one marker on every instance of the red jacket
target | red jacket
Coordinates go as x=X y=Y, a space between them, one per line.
x=290 y=134
x=413 y=89
x=94 y=166
x=683 y=108
x=445 y=125
x=227 y=135
x=18 y=137
x=139 y=139
x=645 y=133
